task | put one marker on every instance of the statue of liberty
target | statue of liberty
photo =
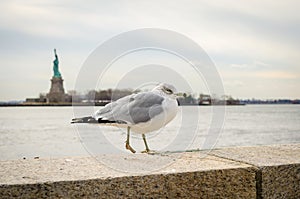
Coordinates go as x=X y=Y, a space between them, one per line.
x=55 y=66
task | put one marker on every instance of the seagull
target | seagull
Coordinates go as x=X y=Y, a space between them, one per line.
x=140 y=113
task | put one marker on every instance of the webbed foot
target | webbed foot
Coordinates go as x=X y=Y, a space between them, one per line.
x=149 y=152
x=128 y=147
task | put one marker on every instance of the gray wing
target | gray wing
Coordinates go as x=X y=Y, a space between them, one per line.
x=132 y=109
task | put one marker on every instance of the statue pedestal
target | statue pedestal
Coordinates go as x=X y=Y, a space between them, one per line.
x=57 y=91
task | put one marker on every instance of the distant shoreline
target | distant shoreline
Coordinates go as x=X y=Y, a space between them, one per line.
x=52 y=104
x=103 y=104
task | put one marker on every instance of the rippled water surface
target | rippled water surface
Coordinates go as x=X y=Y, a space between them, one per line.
x=47 y=132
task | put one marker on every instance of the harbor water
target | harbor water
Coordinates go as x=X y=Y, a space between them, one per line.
x=28 y=132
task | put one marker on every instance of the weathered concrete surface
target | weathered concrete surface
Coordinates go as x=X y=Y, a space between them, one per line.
x=240 y=172
x=279 y=168
x=188 y=175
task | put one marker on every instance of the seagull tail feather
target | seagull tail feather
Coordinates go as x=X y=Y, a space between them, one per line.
x=84 y=120
x=93 y=120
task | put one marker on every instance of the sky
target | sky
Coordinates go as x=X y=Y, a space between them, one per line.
x=254 y=45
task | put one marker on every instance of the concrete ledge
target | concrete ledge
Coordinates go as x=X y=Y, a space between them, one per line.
x=243 y=172
x=278 y=173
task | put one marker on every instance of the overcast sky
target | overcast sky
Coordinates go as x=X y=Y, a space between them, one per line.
x=255 y=44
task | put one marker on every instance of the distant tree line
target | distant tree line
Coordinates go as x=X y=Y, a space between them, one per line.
x=105 y=96
x=102 y=97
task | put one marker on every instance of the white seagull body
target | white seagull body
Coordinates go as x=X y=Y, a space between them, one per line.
x=142 y=112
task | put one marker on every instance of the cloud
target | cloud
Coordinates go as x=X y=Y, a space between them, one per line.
x=256 y=64
x=277 y=75
x=250 y=39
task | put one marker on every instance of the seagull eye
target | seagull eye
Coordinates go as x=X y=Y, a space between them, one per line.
x=169 y=90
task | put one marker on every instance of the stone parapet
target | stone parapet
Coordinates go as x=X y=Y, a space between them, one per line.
x=278 y=168
x=241 y=172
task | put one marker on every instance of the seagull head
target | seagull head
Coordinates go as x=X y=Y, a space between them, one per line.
x=166 y=89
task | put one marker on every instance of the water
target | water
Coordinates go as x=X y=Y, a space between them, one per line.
x=46 y=131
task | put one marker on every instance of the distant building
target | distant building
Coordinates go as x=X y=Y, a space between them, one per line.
x=41 y=99
x=204 y=99
x=32 y=100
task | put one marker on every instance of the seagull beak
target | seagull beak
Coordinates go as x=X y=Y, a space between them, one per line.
x=179 y=94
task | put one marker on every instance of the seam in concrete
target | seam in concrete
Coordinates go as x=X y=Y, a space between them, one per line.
x=234 y=160
x=257 y=170
x=258 y=182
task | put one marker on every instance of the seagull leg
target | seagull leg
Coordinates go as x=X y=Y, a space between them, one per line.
x=127 y=145
x=147 y=150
